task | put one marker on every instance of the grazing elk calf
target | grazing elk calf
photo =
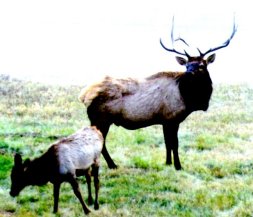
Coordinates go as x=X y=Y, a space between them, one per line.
x=63 y=162
x=165 y=98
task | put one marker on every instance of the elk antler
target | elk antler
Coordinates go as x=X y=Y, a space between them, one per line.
x=225 y=44
x=172 y=40
x=181 y=39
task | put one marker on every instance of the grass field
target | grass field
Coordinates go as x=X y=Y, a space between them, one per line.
x=216 y=150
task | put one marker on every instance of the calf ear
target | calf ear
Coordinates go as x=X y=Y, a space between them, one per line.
x=182 y=61
x=27 y=162
x=17 y=159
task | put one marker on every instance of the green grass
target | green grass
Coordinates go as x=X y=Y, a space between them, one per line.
x=216 y=150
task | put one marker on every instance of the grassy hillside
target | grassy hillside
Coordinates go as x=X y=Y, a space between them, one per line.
x=216 y=150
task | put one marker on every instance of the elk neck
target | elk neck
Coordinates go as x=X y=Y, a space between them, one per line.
x=195 y=88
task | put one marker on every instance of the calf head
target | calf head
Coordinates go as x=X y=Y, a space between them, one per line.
x=18 y=177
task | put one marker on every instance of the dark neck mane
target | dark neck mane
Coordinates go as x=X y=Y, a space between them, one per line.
x=196 y=90
x=43 y=169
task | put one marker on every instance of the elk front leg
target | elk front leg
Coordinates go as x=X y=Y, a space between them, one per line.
x=56 y=196
x=108 y=158
x=104 y=130
x=170 y=131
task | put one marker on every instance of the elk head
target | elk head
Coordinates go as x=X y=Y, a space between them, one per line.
x=196 y=63
x=18 y=178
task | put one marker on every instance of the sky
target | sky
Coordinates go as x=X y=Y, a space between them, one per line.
x=76 y=42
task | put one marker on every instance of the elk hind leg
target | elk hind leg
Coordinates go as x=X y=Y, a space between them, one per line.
x=88 y=180
x=95 y=172
x=78 y=194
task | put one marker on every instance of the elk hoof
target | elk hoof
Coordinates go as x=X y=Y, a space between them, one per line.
x=87 y=211
x=168 y=162
x=113 y=166
x=96 y=206
x=178 y=167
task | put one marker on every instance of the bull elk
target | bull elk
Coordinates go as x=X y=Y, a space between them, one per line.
x=165 y=98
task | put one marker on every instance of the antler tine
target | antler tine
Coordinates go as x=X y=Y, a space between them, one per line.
x=172 y=40
x=171 y=50
x=181 y=39
x=225 y=44
x=172 y=31
x=201 y=54
x=186 y=54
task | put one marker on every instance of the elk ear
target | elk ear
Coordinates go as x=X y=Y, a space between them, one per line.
x=17 y=160
x=210 y=59
x=27 y=162
x=182 y=61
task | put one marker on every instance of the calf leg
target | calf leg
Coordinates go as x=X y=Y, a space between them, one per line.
x=77 y=192
x=88 y=180
x=95 y=171
x=170 y=131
